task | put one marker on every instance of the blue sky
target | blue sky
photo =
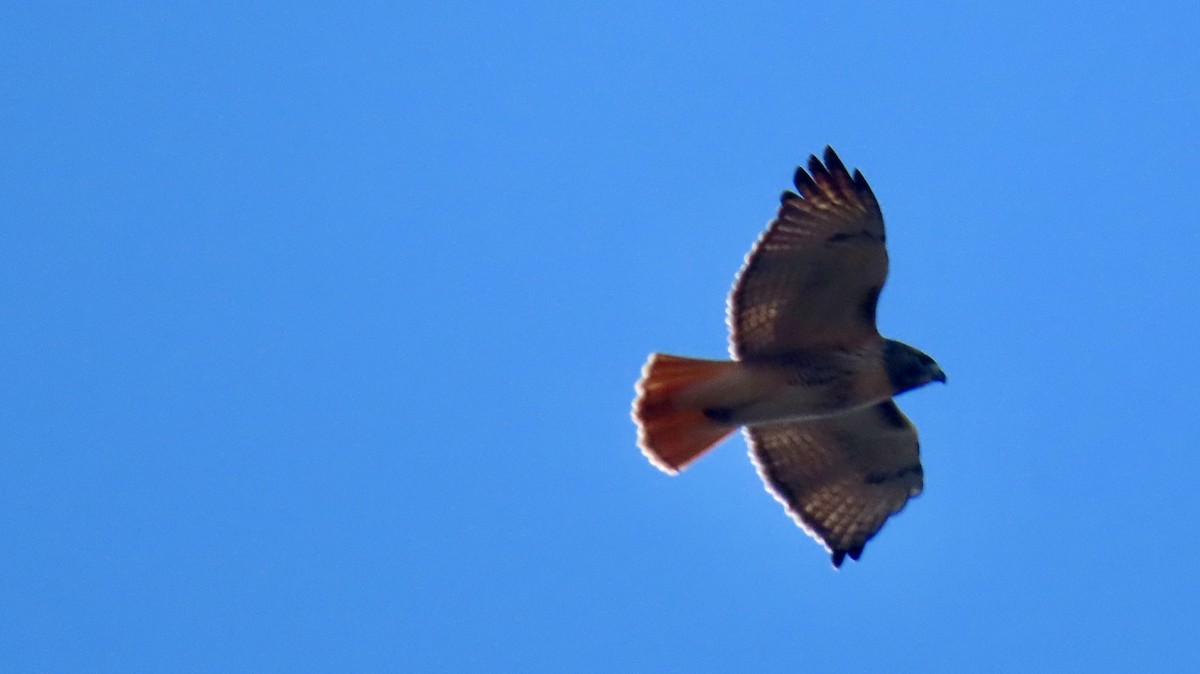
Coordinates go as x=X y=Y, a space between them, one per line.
x=322 y=323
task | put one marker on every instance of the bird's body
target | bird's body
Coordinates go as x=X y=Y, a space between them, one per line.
x=793 y=387
x=812 y=380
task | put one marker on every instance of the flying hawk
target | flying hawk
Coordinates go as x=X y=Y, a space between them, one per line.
x=811 y=380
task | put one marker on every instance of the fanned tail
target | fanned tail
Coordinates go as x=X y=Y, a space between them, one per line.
x=675 y=426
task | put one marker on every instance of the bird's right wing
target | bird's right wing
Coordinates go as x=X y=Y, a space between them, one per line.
x=813 y=278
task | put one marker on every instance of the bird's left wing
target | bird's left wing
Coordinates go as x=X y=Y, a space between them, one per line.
x=841 y=477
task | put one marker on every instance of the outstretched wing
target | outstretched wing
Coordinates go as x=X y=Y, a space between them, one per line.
x=841 y=477
x=813 y=278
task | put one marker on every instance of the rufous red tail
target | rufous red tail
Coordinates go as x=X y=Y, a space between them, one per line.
x=673 y=428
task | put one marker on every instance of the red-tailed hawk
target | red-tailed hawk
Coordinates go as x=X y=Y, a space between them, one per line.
x=811 y=379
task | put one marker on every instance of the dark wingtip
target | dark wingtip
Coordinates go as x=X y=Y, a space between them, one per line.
x=860 y=184
x=816 y=168
x=833 y=162
x=839 y=556
x=830 y=175
x=859 y=180
x=803 y=181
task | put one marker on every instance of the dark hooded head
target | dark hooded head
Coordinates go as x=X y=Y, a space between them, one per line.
x=908 y=368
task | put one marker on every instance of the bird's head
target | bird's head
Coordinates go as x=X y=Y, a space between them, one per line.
x=908 y=368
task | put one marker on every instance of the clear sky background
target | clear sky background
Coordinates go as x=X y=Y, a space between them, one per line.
x=321 y=323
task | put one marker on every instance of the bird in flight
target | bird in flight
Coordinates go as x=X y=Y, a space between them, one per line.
x=811 y=381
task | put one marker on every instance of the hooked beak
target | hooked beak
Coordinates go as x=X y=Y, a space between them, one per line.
x=939 y=376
